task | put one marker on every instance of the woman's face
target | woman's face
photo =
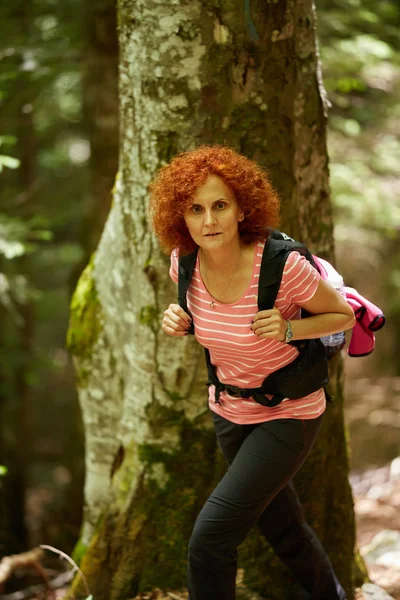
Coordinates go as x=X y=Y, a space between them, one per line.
x=213 y=215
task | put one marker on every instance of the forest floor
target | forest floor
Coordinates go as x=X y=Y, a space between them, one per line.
x=377 y=508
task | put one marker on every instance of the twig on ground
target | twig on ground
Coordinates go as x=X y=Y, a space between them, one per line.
x=72 y=562
x=26 y=559
x=57 y=582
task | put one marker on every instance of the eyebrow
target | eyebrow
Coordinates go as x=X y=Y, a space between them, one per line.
x=218 y=200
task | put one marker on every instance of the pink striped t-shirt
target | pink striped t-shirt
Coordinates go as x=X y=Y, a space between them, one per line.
x=241 y=358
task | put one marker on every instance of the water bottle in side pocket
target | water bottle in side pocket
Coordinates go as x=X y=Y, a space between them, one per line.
x=335 y=341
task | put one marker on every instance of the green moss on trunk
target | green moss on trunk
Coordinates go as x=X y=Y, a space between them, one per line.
x=79 y=552
x=85 y=320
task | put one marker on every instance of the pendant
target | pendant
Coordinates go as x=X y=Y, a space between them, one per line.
x=212 y=304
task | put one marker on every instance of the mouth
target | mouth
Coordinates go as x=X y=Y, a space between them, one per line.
x=212 y=234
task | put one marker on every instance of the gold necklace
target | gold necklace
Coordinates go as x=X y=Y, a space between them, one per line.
x=228 y=282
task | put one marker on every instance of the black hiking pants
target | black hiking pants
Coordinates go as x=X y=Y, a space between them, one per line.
x=258 y=488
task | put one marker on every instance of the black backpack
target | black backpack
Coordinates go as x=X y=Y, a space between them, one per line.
x=309 y=371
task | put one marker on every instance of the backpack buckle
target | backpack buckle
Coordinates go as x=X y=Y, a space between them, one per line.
x=236 y=392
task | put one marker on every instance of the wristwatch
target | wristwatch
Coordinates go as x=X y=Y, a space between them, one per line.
x=289 y=332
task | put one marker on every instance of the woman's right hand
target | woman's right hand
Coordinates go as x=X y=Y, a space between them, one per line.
x=176 y=322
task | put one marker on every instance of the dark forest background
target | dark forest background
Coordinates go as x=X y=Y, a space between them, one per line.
x=58 y=160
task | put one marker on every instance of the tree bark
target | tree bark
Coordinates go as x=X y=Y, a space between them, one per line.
x=244 y=74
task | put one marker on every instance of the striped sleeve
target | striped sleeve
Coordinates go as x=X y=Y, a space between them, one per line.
x=299 y=279
x=173 y=270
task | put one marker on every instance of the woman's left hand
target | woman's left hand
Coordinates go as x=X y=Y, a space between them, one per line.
x=269 y=325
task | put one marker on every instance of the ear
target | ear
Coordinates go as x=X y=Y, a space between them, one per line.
x=241 y=217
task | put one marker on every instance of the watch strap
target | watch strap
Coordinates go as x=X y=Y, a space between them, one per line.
x=289 y=332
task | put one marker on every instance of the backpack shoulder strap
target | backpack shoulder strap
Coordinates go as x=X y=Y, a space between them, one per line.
x=185 y=271
x=277 y=248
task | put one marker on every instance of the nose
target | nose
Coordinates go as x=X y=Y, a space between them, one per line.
x=209 y=218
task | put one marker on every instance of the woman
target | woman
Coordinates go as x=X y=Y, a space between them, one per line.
x=222 y=203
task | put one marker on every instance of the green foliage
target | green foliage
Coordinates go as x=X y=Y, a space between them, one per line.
x=42 y=206
x=41 y=202
x=361 y=66
x=345 y=19
x=41 y=102
x=5 y=160
x=18 y=238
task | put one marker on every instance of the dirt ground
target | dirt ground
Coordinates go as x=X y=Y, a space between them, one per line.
x=377 y=508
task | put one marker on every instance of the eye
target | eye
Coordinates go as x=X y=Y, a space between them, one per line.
x=196 y=209
x=220 y=205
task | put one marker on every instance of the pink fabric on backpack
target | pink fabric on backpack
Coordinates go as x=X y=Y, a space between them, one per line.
x=369 y=319
x=369 y=316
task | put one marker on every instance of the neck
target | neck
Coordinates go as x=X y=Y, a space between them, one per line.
x=224 y=260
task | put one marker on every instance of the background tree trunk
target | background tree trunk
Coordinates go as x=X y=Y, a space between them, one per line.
x=244 y=74
x=101 y=119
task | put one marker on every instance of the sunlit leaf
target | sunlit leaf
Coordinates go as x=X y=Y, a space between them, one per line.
x=364 y=47
x=9 y=161
x=11 y=249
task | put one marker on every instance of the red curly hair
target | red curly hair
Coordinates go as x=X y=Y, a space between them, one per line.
x=175 y=184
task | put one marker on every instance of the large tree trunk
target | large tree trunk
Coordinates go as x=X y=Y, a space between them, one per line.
x=245 y=74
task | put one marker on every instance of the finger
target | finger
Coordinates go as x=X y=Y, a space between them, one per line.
x=269 y=330
x=175 y=309
x=266 y=322
x=178 y=310
x=271 y=336
x=264 y=314
x=177 y=319
x=173 y=332
x=175 y=323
